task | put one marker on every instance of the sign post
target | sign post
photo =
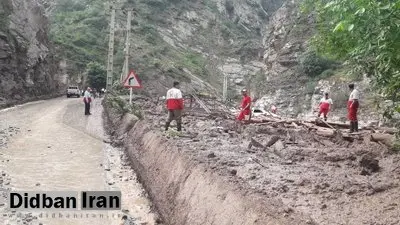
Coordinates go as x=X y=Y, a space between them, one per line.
x=131 y=81
x=130 y=95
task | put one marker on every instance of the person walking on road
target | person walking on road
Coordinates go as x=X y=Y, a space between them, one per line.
x=352 y=108
x=324 y=106
x=245 y=109
x=174 y=106
x=87 y=99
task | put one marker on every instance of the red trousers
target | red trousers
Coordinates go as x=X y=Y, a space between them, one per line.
x=323 y=111
x=352 y=110
x=242 y=114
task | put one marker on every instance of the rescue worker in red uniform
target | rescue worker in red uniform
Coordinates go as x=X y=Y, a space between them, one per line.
x=245 y=109
x=324 y=106
x=174 y=106
x=352 y=108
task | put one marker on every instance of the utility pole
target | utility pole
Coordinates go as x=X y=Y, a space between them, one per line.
x=225 y=81
x=110 y=62
x=225 y=88
x=125 y=70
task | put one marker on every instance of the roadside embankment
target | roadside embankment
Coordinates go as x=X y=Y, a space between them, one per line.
x=186 y=191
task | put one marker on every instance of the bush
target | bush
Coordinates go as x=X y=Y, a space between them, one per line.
x=230 y=9
x=312 y=65
x=122 y=106
x=310 y=87
x=327 y=73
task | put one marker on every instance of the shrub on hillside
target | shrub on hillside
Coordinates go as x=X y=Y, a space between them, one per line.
x=230 y=9
x=312 y=65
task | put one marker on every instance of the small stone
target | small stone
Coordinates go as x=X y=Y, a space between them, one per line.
x=233 y=172
x=48 y=146
x=213 y=134
x=38 y=184
x=211 y=155
x=29 y=130
x=125 y=211
x=288 y=210
x=323 y=206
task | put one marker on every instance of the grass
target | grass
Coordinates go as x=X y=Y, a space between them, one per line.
x=195 y=62
x=310 y=87
x=5 y=12
x=122 y=106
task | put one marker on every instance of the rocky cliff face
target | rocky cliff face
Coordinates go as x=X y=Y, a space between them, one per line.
x=28 y=69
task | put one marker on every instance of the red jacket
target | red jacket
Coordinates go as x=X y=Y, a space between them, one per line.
x=246 y=101
x=174 y=99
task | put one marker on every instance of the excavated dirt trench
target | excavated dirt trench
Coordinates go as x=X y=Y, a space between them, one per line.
x=218 y=174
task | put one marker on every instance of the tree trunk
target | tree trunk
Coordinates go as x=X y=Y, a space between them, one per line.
x=385 y=139
x=326 y=132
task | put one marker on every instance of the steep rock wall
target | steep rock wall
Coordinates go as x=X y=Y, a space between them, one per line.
x=28 y=69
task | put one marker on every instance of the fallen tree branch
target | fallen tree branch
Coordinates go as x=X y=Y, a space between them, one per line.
x=386 y=139
x=326 y=123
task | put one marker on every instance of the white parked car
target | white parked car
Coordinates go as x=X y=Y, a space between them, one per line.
x=73 y=91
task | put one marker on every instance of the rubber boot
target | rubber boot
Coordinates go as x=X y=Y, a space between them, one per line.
x=351 y=126
x=167 y=126
x=356 y=126
x=179 y=126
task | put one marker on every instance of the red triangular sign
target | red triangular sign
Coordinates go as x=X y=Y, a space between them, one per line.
x=132 y=81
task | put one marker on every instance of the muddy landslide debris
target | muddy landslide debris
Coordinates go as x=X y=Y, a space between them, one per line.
x=319 y=175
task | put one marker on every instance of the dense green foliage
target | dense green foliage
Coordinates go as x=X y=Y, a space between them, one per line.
x=79 y=29
x=5 y=11
x=96 y=75
x=313 y=65
x=366 y=34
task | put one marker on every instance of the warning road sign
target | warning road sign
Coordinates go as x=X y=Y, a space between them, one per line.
x=132 y=81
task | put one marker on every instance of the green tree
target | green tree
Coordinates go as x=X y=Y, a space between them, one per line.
x=97 y=75
x=366 y=34
x=79 y=28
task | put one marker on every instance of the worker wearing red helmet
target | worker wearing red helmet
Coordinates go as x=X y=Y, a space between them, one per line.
x=245 y=109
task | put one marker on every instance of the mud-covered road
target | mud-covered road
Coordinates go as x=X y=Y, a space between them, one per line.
x=51 y=146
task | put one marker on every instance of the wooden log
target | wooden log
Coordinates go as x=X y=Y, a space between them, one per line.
x=386 y=139
x=388 y=130
x=330 y=124
x=325 y=132
x=326 y=123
